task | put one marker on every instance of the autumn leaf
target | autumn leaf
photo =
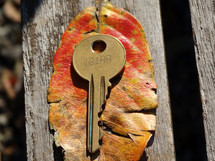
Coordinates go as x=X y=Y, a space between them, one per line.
x=128 y=118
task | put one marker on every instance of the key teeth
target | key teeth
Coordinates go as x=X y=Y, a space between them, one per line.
x=100 y=134
x=109 y=84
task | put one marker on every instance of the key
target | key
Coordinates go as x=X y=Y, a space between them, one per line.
x=97 y=59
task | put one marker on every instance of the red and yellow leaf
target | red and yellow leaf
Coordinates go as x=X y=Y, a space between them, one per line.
x=127 y=125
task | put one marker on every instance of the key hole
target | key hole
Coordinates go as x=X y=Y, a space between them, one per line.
x=99 y=46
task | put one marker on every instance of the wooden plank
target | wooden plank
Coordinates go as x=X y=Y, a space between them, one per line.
x=148 y=13
x=43 y=24
x=203 y=21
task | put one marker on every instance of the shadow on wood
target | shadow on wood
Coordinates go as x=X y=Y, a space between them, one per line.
x=29 y=9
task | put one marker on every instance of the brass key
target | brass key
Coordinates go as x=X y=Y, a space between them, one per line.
x=97 y=59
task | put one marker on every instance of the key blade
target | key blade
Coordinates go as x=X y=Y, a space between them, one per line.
x=94 y=107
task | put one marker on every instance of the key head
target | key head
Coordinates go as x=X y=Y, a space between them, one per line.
x=100 y=55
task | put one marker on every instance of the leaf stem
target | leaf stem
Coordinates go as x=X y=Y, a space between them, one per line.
x=98 y=10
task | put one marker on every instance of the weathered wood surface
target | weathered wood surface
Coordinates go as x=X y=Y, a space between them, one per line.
x=44 y=21
x=203 y=21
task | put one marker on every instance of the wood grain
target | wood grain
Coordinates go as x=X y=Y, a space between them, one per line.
x=203 y=22
x=44 y=21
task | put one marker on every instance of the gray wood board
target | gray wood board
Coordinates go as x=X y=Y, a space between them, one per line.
x=44 y=21
x=148 y=13
x=203 y=22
